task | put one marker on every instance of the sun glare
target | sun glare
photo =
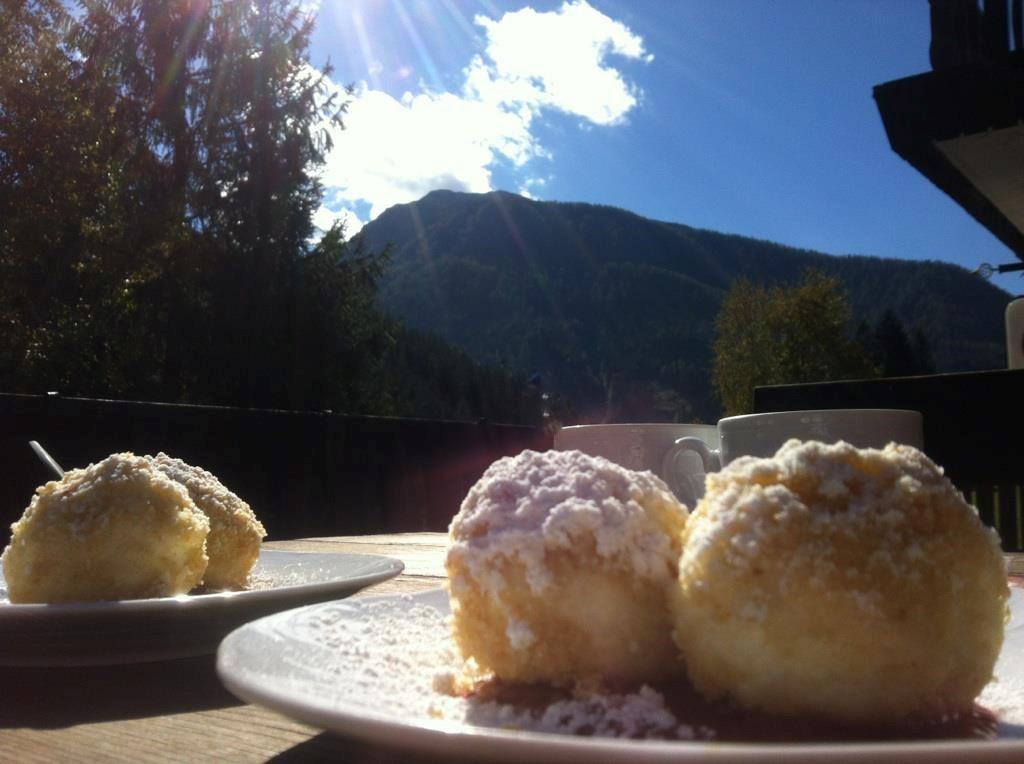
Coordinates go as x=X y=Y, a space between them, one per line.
x=448 y=93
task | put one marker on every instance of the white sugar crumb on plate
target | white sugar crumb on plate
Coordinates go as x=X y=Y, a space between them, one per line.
x=1005 y=699
x=277 y=577
x=262 y=579
x=1005 y=694
x=385 y=670
x=402 y=653
x=633 y=715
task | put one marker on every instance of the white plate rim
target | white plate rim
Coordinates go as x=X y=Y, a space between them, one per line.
x=455 y=738
x=135 y=631
x=389 y=568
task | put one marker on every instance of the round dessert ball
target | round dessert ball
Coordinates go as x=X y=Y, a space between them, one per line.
x=118 y=529
x=233 y=545
x=852 y=584
x=560 y=565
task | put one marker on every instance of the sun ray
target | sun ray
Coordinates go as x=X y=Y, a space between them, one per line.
x=429 y=264
x=196 y=14
x=366 y=48
x=433 y=75
x=530 y=262
x=460 y=20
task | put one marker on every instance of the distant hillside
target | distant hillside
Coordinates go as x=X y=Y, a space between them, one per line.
x=615 y=311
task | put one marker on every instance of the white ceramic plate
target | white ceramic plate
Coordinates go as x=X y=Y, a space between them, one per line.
x=365 y=668
x=131 y=631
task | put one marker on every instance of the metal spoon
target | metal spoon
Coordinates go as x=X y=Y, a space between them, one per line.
x=46 y=459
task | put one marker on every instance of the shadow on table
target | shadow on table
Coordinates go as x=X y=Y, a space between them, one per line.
x=328 y=747
x=50 y=698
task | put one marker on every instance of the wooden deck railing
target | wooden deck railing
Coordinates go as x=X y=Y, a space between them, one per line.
x=972 y=427
x=305 y=474
x=312 y=474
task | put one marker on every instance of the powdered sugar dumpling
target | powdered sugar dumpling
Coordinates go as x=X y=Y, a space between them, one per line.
x=118 y=529
x=850 y=583
x=233 y=545
x=559 y=566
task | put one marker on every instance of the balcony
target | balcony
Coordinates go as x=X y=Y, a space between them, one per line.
x=962 y=124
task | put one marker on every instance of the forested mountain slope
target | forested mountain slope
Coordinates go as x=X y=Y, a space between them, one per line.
x=615 y=312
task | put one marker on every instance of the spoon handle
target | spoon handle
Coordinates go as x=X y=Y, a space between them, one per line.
x=46 y=459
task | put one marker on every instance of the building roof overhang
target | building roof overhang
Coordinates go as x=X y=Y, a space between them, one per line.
x=963 y=129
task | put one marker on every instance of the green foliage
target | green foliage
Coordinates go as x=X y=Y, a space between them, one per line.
x=779 y=335
x=48 y=156
x=605 y=335
x=158 y=174
x=432 y=379
x=893 y=350
x=617 y=312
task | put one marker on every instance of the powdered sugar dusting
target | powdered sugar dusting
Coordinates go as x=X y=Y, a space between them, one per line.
x=836 y=494
x=206 y=490
x=392 y=660
x=1005 y=693
x=74 y=503
x=636 y=716
x=1005 y=697
x=401 y=650
x=538 y=502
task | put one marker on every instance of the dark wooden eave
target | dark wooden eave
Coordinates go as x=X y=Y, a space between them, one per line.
x=963 y=129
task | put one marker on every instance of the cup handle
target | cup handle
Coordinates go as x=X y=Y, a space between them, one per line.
x=687 y=492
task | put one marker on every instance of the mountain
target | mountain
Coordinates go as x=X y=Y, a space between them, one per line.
x=615 y=312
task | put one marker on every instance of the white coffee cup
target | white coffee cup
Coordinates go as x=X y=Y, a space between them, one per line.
x=647 y=447
x=763 y=434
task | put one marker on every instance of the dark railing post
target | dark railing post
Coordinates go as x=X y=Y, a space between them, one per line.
x=964 y=34
x=1017 y=24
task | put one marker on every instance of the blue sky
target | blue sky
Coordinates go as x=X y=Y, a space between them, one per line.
x=746 y=117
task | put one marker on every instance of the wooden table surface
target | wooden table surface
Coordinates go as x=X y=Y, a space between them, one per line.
x=178 y=710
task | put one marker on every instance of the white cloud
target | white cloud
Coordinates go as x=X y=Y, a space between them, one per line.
x=557 y=60
x=529 y=185
x=396 y=150
x=325 y=217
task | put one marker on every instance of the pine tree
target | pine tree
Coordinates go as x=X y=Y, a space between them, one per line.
x=159 y=177
x=892 y=348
